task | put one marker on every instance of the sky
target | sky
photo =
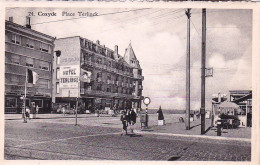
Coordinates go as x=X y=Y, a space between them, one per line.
x=159 y=39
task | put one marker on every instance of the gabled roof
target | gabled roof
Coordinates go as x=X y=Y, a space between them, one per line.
x=130 y=57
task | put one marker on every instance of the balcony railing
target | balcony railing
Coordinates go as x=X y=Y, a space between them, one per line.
x=110 y=69
x=138 y=76
x=102 y=93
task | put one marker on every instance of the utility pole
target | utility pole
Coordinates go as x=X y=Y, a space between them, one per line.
x=203 y=68
x=187 y=116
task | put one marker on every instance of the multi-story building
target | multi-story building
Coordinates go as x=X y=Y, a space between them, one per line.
x=111 y=80
x=27 y=49
x=243 y=98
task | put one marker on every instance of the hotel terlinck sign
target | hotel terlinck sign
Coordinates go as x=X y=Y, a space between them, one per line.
x=69 y=76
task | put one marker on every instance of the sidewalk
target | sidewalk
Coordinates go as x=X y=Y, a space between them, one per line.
x=173 y=126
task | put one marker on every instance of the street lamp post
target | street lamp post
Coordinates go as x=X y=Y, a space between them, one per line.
x=24 y=109
x=146 y=101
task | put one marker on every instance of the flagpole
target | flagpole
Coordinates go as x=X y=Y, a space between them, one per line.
x=77 y=102
x=24 y=100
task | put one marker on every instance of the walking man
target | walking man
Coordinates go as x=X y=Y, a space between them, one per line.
x=123 y=118
x=132 y=120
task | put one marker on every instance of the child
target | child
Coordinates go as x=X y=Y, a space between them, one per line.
x=123 y=118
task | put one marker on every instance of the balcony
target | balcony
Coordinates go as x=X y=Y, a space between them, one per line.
x=110 y=69
x=138 y=77
x=99 y=79
x=97 y=93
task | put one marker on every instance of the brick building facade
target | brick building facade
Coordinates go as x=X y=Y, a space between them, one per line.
x=27 y=49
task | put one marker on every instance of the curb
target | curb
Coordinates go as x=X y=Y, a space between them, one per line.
x=197 y=136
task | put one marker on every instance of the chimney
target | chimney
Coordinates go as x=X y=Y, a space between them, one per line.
x=116 y=49
x=98 y=42
x=11 y=19
x=28 y=22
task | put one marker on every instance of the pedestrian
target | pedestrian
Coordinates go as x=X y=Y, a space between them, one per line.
x=123 y=118
x=37 y=109
x=27 y=112
x=132 y=120
x=128 y=115
x=74 y=109
x=63 y=110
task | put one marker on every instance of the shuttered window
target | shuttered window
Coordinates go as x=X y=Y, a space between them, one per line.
x=15 y=59
x=44 y=65
x=30 y=62
x=44 y=47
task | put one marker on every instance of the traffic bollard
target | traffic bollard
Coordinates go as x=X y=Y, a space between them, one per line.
x=219 y=128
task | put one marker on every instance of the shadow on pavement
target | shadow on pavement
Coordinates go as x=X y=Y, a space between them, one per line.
x=195 y=126
x=134 y=135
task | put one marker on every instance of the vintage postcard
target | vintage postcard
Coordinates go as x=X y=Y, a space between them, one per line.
x=127 y=83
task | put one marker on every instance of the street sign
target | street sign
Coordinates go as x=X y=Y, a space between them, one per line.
x=209 y=72
x=147 y=101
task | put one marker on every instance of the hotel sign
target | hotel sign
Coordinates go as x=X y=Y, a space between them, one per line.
x=69 y=76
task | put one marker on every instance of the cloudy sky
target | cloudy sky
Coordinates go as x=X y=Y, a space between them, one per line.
x=158 y=37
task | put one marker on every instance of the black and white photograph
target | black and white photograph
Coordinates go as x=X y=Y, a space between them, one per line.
x=128 y=84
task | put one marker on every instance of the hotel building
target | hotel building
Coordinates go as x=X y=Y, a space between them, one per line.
x=109 y=79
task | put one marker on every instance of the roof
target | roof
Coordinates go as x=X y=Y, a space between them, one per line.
x=227 y=104
x=28 y=29
x=130 y=56
x=243 y=98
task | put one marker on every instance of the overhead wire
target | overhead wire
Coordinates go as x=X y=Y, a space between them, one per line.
x=127 y=22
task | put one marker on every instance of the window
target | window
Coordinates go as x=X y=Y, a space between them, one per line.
x=108 y=79
x=99 y=77
x=90 y=45
x=44 y=65
x=58 y=73
x=139 y=72
x=99 y=61
x=86 y=44
x=16 y=39
x=14 y=79
x=44 y=47
x=99 y=87
x=15 y=59
x=109 y=63
x=57 y=87
x=99 y=50
x=86 y=57
x=10 y=102
x=44 y=83
x=29 y=44
x=30 y=62
x=38 y=102
x=109 y=89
